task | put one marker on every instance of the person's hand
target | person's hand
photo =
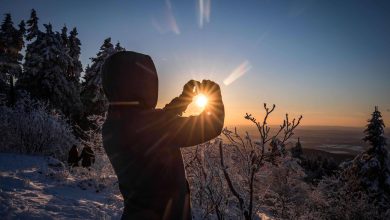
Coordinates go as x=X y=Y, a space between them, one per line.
x=179 y=104
x=210 y=89
x=189 y=89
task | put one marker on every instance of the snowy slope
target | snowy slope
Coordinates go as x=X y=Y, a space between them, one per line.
x=33 y=187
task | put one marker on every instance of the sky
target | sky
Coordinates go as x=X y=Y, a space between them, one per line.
x=326 y=60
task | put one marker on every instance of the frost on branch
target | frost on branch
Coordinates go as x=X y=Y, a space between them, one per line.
x=254 y=155
x=208 y=193
x=236 y=179
x=29 y=127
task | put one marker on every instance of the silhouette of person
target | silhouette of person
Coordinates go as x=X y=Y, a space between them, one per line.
x=73 y=157
x=87 y=156
x=143 y=143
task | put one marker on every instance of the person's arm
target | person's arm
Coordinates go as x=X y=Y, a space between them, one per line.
x=193 y=130
x=179 y=104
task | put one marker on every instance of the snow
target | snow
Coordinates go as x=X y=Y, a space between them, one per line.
x=42 y=187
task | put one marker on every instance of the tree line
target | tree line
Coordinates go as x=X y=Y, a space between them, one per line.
x=46 y=65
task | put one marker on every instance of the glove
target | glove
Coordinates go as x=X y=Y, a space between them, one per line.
x=179 y=104
x=190 y=89
x=211 y=90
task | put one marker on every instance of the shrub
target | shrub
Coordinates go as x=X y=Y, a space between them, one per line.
x=30 y=127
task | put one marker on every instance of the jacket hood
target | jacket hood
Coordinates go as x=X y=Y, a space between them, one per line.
x=130 y=77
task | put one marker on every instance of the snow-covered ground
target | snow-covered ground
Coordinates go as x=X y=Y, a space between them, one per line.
x=37 y=187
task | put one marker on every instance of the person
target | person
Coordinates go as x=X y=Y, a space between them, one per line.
x=143 y=143
x=87 y=156
x=73 y=157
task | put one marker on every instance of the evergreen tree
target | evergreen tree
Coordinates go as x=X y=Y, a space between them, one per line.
x=45 y=68
x=75 y=67
x=6 y=34
x=32 y=26
x=21 y=33
x=92 y=94
x=297 y=150
x=118 y=47
x=374 y=133
x=64 y=36
x=11 y=44
x=369 y=171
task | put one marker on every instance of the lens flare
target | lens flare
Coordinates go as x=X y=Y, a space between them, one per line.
x=238 y=72
x=201 y=100
x=167 y=21
x=204 y=12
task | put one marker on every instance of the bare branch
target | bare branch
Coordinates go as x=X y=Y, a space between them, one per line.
x=229 y=181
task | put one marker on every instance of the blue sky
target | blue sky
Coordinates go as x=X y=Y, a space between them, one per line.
x=328 y=60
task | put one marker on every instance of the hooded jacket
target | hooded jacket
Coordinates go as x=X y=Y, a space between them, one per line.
x=143 y=143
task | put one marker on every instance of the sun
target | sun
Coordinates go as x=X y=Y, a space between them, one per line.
x=201 y=100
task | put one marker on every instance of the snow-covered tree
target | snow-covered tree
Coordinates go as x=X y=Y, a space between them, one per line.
x=287 y=192
x=334 y=199
x=210 y=197
x=243 y=160
x=374 y=133
x=92 y=94
x=371 y=168
x=33 y=57
x=118 y=47
x=45 y=71
x=31 y=127
x=75 y=67
x=11 y=44
x=64 y=36
x=369 y=172
x=230 y=180
x=32 y=26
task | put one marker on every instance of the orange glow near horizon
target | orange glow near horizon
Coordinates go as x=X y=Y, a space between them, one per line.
x=246 y=94
x=234 y=115
x=237 y=106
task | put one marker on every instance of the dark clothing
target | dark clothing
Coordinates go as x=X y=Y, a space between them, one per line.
x=73 y=157
x=87 y=156
x=143 y=143
x=144 y=149
x=130 y=76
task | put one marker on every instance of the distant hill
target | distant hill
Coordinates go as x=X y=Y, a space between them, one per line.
x=333 y=139
x=338 y=158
